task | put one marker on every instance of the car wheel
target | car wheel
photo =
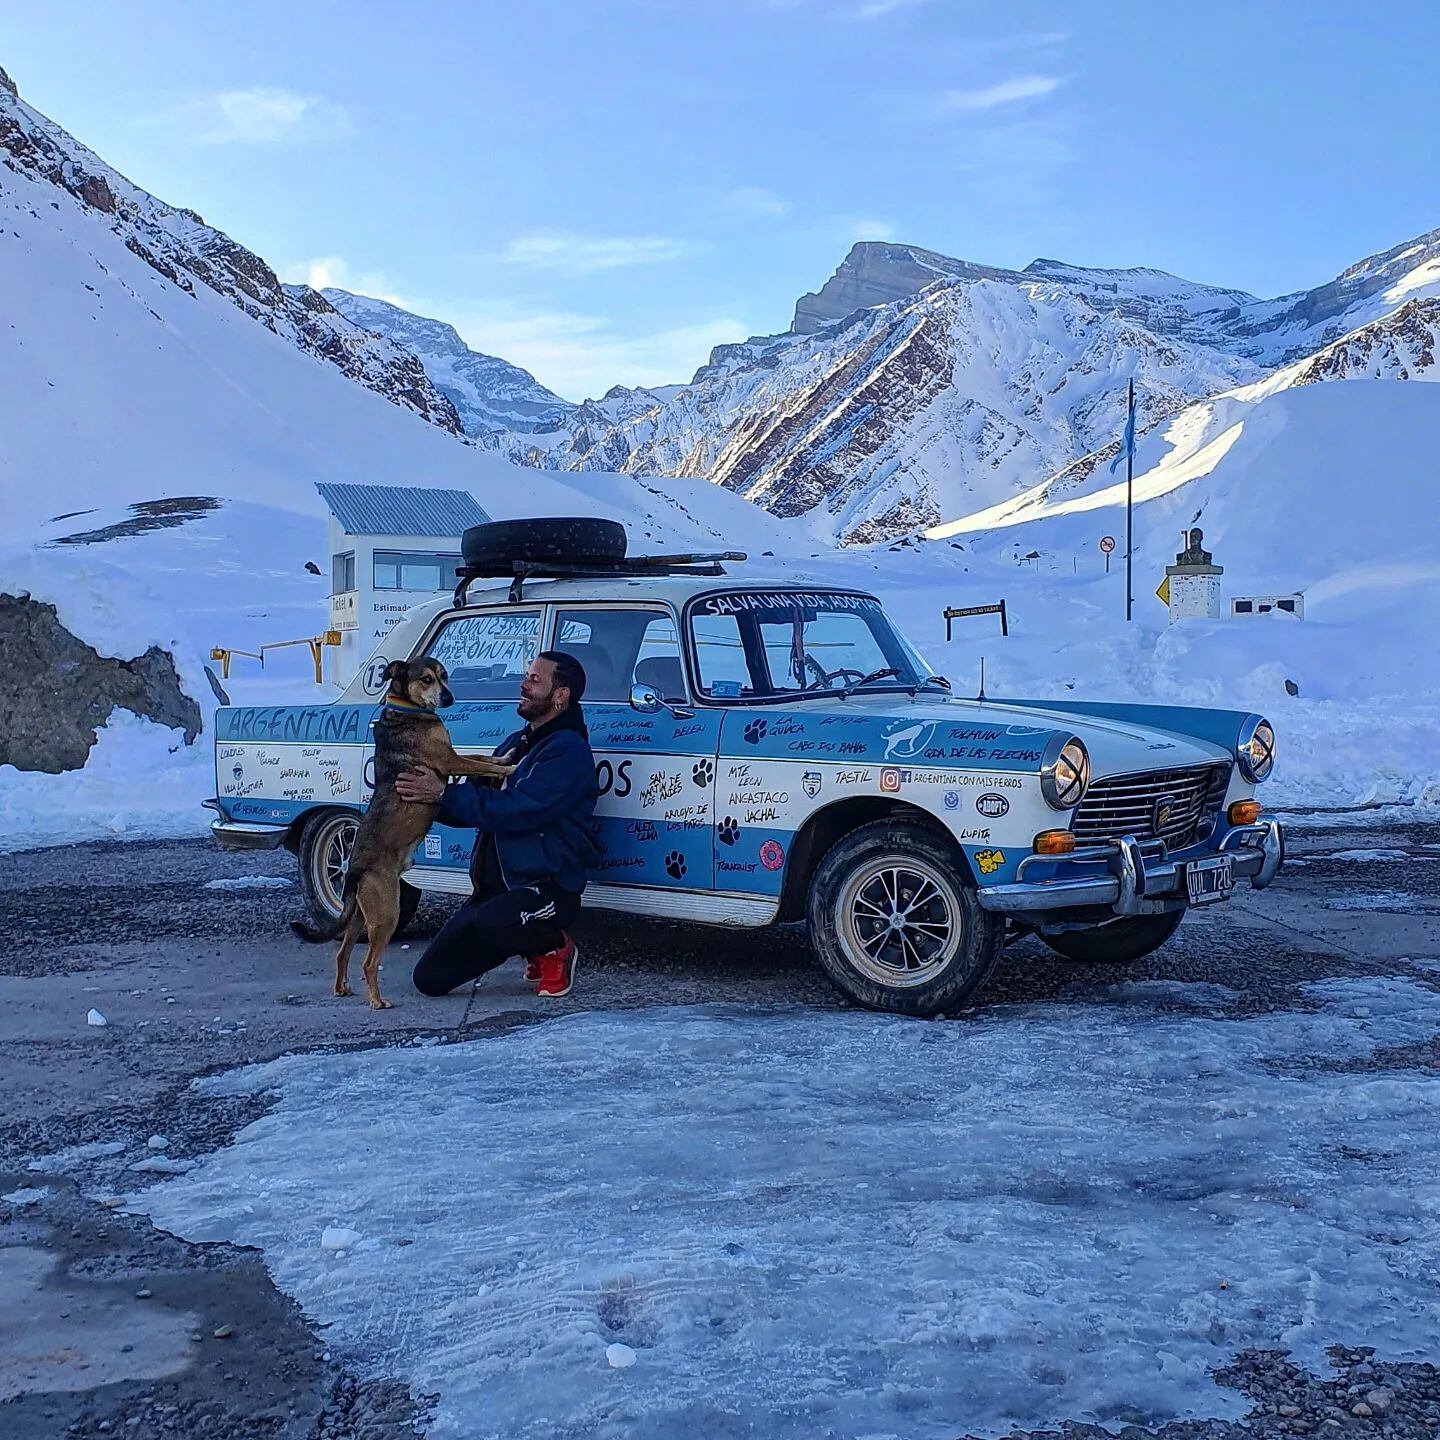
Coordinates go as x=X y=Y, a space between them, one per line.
x=896 y=926
x=325 y=846
x=1118 y=942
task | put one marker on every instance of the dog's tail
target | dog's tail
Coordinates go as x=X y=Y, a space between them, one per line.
x=347 y=910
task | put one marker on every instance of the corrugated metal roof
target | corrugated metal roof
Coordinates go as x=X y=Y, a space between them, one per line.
x=401 y=509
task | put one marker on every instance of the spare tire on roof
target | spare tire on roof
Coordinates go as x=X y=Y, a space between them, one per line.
x=494 y=548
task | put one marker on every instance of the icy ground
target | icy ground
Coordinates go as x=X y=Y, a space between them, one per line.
x=845 y=1225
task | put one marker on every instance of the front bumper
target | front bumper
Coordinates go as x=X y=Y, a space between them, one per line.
x=1139 y=878
x=240 y=835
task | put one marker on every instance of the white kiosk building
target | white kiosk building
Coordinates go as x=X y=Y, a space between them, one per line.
x=391 y=546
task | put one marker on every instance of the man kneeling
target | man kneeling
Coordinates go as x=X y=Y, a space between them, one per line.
x=535 y=842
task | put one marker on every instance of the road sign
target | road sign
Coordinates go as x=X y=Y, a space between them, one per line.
x=1163 y=591
x=1107 y=544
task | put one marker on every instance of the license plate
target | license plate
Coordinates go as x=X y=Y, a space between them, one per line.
x=1209 y=880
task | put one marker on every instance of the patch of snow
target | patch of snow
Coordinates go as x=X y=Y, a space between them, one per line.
x=26 y=1195
x=94 y=1017
x=250 y=882
x=1364 y=855
x=62 y=1160
x=336 y=1237
x=161 y=1165
x=850 y=1224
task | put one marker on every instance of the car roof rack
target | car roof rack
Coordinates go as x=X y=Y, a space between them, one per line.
x=631 y=568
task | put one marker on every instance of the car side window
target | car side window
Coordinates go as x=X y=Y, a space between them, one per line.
x=620 y=648
x=720 y=656
x=487 y=654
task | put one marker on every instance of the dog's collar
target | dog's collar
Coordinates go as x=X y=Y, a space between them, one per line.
x=404 y=707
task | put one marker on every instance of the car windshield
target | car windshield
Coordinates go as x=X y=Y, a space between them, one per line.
x=767 y=644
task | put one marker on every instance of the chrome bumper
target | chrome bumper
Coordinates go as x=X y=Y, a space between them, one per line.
x=238 y=835
x=1139 y=877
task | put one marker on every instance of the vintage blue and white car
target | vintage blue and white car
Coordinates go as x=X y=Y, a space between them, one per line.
x=769 y=752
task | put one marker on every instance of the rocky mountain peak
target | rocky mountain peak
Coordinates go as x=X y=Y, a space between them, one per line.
x=877 y=272
x=489 y=394
x=6 y=83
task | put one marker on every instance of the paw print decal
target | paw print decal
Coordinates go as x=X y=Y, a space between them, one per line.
x=675 y=865
x=728 y=830
x=755 y=732
x=989 y=861
x=703 y=773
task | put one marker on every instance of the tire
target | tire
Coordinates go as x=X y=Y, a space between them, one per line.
x=1119 y=942
x=324 y=854
x=927 y=970
x=582 y=540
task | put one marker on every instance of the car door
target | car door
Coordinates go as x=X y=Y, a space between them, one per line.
x=486 y=653
x=656 y=772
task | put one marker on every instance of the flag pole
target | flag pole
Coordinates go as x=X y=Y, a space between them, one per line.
x=1129 y=495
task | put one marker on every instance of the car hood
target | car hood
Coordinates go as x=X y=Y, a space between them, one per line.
x=1116 y=747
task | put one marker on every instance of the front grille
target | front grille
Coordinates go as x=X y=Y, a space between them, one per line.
x=1126 y=805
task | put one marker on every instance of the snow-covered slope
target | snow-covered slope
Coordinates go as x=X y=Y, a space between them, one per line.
x=913 y=386
x=489 y=394
x=178 y=245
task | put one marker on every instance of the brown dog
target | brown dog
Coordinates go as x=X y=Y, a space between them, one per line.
x=408 y=736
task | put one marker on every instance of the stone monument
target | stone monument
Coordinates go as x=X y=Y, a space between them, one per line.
x=1194 y=582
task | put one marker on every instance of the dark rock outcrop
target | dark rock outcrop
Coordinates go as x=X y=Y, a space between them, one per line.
x=55 y=690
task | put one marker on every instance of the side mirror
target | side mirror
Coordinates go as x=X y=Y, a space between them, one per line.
x=644 y=699
x=941 y=681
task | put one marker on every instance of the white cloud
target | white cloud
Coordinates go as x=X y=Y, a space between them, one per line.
x=261 y=115
x=327 y=271
x=581 y=356
x=756 y=200
x=875 y=9
x=870 y=229
x=584 y=254
x=1005 y=92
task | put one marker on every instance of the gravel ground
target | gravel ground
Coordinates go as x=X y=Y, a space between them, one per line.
x=131 y=1332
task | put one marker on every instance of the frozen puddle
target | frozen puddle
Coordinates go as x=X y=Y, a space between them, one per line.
x=842 y=1224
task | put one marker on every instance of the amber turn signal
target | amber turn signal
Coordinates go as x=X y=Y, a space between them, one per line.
x=1054 y=842
x=1244 y=812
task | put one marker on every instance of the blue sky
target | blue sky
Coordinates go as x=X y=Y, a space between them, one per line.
x=601 y=191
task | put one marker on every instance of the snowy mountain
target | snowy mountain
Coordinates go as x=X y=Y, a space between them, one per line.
x=904 y=413
x=913 y=387
x=178 y=245
x=489 y=394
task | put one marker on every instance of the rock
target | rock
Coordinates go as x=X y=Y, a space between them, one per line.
x=55 y=690
x=1379 y=1400
x=223 y=1332
x=143 y=1294
x=621 y=1357
x=337 y=1237
x=92 y=1017
x=1361 y=1409
x=1289 y=1411
x=158 y=1142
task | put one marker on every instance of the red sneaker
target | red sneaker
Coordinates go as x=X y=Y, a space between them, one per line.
x=532 y=969
x=557 y=970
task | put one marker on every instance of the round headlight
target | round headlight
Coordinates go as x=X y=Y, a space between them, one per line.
x=1255 y=749
x=1064 y=772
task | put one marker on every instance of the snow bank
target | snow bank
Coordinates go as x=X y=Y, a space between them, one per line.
x=845 y=1224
